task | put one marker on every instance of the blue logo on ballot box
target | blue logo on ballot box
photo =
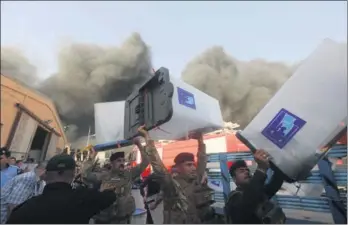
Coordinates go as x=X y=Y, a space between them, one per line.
x=186 y=98
x=283 y=128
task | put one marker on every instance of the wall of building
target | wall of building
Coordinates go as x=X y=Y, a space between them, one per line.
x=13 y=92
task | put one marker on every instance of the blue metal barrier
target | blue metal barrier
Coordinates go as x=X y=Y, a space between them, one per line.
x=225 y=176
x=339 y=213
x=340 y=177
x=333 y=202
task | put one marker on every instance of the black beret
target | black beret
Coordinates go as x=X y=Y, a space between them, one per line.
x=4 y=151
x=61 y=162
x=116 y=155
x=236 y=165
x=184 y=157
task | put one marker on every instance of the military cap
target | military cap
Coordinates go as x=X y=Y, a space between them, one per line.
x=61 y=162
x=4 y=151
x=116 y=155
x=236 y=165
x=184 y=157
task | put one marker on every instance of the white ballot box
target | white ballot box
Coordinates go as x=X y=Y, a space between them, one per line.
x=109 y=121
x=306 y=114
x=168 y=107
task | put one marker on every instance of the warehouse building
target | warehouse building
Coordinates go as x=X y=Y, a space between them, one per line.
x=30 y=124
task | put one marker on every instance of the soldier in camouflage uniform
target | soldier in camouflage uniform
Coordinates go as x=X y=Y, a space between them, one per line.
x=186 y=198
x=120 y=180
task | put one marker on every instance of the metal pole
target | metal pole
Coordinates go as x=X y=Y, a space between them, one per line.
x=89 y=133
x=225 y=175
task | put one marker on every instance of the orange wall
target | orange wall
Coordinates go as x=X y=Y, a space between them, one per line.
x=173 y=149
x=13 y=92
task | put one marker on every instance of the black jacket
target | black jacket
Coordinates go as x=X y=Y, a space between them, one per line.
x=242 y=205
x=60 y=204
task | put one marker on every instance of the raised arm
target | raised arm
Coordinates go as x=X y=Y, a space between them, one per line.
x=136 y=171
x=274 y=185
x=169 y=186
x=201 y=156
x=242 y=205
x=88 y=167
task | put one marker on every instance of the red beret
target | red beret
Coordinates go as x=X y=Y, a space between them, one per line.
x=184 y=157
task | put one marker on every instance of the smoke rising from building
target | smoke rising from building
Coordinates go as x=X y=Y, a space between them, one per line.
x=242 y=88
x=14 y=64
x=90 y=73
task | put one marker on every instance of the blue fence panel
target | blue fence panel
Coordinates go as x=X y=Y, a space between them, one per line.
x=333 y=202
x=340 y=177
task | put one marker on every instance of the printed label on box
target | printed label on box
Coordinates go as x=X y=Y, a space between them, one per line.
x=186 y=98
x=283 y=128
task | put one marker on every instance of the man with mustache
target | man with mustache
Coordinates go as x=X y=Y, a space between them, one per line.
x=186 y=196
x=119 y=179
x=250 y=202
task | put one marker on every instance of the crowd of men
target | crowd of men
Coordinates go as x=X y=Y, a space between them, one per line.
x=55 y=193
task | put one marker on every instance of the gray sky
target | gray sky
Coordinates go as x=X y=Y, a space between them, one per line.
x=176 y=31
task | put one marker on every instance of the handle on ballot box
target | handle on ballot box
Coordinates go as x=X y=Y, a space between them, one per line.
x=112 y=145
x=253 y=149
x=151 y=104
x=246 y=142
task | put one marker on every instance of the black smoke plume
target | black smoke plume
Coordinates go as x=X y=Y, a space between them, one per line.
x=16 y=65
x=242 y=88
x=90 y=73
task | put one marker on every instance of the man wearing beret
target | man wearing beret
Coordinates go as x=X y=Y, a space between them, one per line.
x=186 y=197
x=120 y=180
x=60 y=203
x=250 y=202
x=7 y=171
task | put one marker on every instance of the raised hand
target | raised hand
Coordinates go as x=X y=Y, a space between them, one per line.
x=262 y=158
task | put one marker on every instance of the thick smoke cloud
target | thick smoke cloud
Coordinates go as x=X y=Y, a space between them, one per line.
x=16 y=65
x=242 y=88
x=87 y=74
x=90 y=73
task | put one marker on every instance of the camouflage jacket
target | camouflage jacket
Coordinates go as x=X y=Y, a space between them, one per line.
x=121 y=183
x=178 y=202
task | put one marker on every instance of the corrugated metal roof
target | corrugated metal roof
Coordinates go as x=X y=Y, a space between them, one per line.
x=52 y=107
x=33 y=89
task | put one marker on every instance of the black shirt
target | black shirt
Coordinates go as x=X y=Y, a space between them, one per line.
x=242 y=205
x=60 y=204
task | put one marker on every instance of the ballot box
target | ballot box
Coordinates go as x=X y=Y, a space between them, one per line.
x=308 y=113
x=168 y=107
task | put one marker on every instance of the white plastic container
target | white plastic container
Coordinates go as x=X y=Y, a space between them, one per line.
x=108 y=119
x=308 y=112
x=203 y=113
x=191 y=110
